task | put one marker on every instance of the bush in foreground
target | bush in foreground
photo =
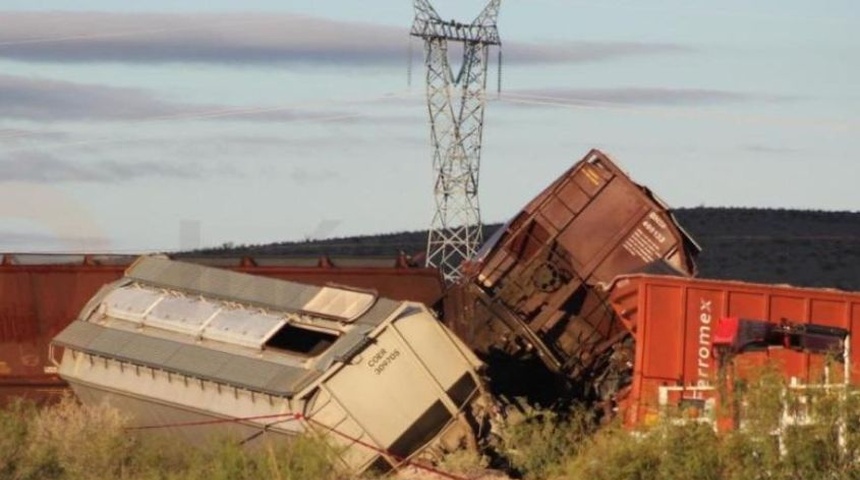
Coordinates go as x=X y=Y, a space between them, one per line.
x=824 y=444
x=69 y=441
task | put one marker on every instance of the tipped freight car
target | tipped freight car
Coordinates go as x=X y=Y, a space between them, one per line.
x=41 y=293
x=535 y=286
x=674 y=322
x=173 y=343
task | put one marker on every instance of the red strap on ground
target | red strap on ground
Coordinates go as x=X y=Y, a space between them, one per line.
x=287 y=416
x=384 y=452
x=298 y=416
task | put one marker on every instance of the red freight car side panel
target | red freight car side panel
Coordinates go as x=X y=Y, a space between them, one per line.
x=36 y=302
x=674 y=318
x=41 y=294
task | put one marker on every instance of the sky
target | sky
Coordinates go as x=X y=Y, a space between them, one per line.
x=153 y=126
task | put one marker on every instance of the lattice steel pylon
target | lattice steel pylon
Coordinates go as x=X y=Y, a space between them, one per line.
x=456 y=107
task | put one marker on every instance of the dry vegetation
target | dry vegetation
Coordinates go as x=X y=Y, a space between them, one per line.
x=827 y=447
x=75 y=442
x=555 y=447
x=69 y=441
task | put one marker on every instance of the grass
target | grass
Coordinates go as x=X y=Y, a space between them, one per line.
x=547 y=445
x=69 y=441
x=825 y=447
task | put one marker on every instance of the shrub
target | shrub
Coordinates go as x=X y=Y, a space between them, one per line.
x=536 y=446
x=615 y=454
x=72 y=441
x=823 y=442
x=15 y=422
x=69 y=441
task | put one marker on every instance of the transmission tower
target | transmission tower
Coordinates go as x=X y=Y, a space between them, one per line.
x=456 y=106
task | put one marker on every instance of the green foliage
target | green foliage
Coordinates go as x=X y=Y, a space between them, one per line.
x=82 y=440
x=15 y=423
x=821 y=441
x=69 y=441
x=615 y=454
x=537 y=445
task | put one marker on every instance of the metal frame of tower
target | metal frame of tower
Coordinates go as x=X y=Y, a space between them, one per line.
x=456 y=106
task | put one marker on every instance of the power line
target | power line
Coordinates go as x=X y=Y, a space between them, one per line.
x=586 y=103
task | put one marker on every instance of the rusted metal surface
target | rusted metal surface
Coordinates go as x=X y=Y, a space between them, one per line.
x=674 y=319
x=535 y=286
x=41 y=294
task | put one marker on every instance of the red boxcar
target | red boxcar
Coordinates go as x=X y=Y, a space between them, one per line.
x=41 y=294
x=674 y=321
x=534 y=287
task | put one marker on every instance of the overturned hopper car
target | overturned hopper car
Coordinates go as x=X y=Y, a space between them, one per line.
x=172 y=343
x=41 y=293
x=535 y=286
x=675 y=321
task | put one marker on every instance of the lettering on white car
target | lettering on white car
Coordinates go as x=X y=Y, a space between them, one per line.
x=382 y=359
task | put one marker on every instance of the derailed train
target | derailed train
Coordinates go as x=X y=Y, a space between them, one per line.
x=174 y=344
x=534 y=289
x=537 y=287
x=41 y=293
x=676 y=324
x=542 y=288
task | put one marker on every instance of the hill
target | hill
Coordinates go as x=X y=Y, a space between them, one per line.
x=799 y=247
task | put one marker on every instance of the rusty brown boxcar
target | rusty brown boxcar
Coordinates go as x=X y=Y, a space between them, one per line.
x=534 y=286
x=40 y=294
x=674 y=321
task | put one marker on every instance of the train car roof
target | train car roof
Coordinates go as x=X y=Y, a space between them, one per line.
x=264 y=334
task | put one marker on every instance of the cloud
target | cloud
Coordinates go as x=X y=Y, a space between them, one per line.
x=769 y=149
x=581 y=52
x=637 y=96
x=37 y=167
x=45 y=100
x=14 y=136
x=303 y=176
x=246 y=38
x=219 y=38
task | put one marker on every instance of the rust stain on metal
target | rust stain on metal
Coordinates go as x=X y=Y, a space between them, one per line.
x=536 y=286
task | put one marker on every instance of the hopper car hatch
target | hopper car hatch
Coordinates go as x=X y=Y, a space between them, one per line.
x=40 y=294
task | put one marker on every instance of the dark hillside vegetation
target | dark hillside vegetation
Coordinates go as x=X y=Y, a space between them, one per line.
x=799 y=247
x=804 y=248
